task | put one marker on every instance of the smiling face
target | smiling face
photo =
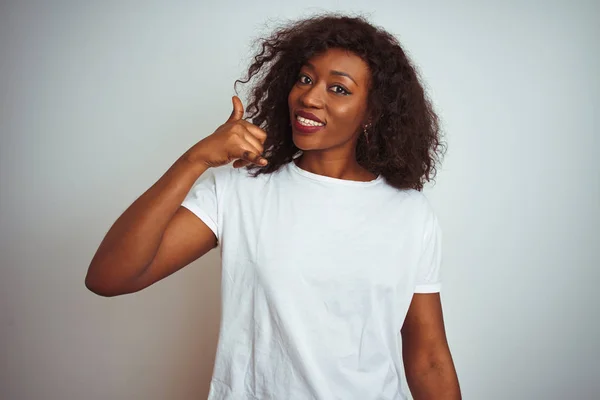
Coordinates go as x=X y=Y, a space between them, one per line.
x=328 y=103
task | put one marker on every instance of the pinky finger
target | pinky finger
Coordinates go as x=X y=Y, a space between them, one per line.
x=240 y=163
x=253 y=158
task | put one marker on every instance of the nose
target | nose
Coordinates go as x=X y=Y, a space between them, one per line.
x=312 y=97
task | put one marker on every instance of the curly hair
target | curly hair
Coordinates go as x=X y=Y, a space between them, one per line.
x=404 y=144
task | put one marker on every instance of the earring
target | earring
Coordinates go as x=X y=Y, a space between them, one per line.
x=366 y=133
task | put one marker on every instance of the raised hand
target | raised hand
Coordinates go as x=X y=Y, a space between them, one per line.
x=236 y=140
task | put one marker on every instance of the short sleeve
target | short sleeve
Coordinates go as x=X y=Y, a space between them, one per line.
x=204 y=198
x=428 y=274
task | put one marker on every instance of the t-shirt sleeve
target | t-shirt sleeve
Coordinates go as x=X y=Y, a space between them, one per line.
x=428 y=274
x=204 y=199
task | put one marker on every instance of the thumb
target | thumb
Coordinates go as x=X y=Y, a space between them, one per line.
x=238 y=109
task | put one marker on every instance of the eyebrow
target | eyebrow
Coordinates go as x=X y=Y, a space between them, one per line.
x=334 y=72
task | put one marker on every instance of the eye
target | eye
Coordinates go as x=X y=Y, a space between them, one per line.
x=303 y=79
x=337 y=89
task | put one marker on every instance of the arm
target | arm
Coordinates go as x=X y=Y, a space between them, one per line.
x=155 y=236
x=428 y=364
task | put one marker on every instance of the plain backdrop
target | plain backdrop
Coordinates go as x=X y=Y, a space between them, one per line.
x=98 y=98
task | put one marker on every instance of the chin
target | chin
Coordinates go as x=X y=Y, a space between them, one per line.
x=306 y=143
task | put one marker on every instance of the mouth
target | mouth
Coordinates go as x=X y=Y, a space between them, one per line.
x=308 y=119
x=307 y=123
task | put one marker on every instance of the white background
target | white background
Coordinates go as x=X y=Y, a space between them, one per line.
x=97 y=99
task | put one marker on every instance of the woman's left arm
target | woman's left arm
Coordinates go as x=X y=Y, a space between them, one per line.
x=428 y=364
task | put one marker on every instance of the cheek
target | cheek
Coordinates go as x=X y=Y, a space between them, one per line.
x=350 y=114
x=292 y=97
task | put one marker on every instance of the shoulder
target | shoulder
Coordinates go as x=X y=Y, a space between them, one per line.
x=416 y=200
x=227 y=175
x=235 y=181
x=411 y=207
x=422 y=203
x=228 y=172
x=423 y=208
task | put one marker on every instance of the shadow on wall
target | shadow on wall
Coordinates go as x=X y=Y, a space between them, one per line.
x=169 y=333
x=196 y=337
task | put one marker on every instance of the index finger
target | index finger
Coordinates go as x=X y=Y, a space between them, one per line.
x=254 y=130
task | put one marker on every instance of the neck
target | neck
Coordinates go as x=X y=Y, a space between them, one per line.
x=339 y=167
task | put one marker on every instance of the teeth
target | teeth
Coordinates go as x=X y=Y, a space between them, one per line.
x=308 y=122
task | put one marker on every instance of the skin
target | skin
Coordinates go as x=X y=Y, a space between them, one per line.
x=156 y=237
x=428 y=363
x=340 y=101
x=334 y=86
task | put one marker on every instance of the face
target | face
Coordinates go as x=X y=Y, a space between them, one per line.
x=328 y=103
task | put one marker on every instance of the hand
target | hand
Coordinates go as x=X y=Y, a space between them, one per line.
x=236 y=140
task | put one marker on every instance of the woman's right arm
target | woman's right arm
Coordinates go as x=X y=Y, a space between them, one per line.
x=155 y=236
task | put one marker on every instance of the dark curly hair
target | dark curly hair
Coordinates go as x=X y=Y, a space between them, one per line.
x=405 y=143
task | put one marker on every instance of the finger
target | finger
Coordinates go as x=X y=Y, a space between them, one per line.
x=255 y=130
x=238 y=109
x=254 y=142
x=252 y=157
x=240 y=163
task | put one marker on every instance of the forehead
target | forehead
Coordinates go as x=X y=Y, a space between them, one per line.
x=341 y=60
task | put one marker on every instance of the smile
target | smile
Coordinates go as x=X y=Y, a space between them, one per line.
x=308 y=122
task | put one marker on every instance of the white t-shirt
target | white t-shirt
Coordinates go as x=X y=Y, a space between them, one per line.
x=318 y=275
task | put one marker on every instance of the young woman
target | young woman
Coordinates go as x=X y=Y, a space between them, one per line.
x=330 y=251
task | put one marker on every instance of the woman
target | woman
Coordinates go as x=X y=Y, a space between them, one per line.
x=329 y=249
